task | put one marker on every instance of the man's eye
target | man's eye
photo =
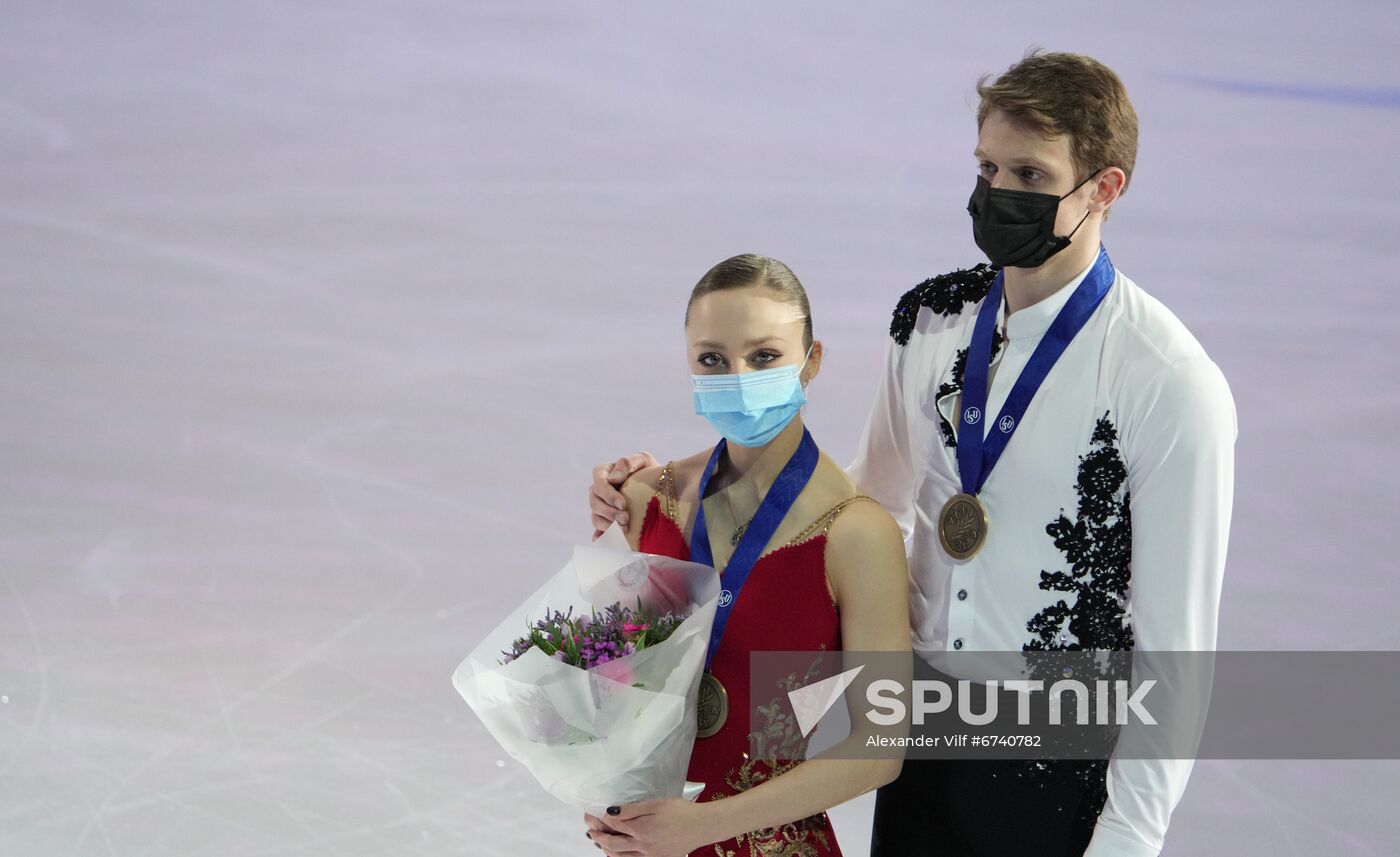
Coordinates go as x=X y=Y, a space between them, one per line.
x=1030 y=175
x=986 y=169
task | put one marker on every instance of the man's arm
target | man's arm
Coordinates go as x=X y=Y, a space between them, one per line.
x=1179 y=452
x=883 y=466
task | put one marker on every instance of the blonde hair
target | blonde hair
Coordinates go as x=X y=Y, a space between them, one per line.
x=751 y=269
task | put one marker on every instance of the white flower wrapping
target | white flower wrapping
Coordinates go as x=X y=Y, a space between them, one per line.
x=618 y=733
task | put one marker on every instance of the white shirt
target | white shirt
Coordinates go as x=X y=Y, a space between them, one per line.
x=1136 y=409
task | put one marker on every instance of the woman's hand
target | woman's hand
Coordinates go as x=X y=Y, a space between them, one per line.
x=596 y=825
x=667 y=827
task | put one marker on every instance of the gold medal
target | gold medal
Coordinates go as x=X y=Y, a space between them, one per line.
x=712 y=708
x=962 y=525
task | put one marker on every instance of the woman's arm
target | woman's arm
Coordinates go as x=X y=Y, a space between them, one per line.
x=866 y=564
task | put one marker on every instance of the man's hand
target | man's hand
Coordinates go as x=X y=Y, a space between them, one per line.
x=604 y=500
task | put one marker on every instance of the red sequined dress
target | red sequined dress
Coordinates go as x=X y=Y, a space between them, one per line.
x=785 y=605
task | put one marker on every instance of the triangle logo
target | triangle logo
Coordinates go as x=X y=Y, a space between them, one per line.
x=812 y=702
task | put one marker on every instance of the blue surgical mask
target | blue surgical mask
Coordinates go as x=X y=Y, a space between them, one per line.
x=750 y=408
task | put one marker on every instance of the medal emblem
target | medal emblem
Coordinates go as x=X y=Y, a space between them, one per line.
x=962 y=525
x=712 y=707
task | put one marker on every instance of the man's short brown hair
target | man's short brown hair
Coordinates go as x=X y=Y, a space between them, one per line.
x=1055 y=94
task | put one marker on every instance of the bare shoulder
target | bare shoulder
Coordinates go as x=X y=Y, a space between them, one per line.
x=863 y=524
x=685 y=471
x=647 y=478
x=858 y=519
x=865 y=560
x=863 y=533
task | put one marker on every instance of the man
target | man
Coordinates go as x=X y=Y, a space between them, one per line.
x=1062 y=472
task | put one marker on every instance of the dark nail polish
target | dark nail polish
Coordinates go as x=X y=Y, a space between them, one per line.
x=614 y=810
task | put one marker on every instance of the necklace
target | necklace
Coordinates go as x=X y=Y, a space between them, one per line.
x=739 y=533
x=739 y=530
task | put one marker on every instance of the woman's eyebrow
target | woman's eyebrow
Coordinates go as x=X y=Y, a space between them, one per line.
x=705 y=343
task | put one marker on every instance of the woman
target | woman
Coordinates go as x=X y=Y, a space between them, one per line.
x=825 y=571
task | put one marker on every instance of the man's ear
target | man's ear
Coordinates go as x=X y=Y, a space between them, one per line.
x=1107 y=188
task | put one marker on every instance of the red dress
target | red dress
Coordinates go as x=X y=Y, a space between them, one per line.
x=785 y=605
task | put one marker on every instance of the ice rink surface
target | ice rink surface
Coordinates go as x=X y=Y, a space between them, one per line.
x=314 y=317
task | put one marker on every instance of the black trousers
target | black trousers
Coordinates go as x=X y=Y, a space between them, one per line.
x=988 y=807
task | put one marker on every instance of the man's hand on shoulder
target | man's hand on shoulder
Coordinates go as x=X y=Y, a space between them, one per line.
x=604 y=500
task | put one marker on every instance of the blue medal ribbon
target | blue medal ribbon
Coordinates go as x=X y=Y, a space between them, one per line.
x=770 y=514
x=978 y=453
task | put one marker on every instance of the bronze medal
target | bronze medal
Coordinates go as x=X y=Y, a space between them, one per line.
x=712 y=708
x=962 y=525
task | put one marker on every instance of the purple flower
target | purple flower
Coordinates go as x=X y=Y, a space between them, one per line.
x=589 y=640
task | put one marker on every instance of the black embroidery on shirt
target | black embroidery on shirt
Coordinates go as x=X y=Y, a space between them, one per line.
x=955 y=385
x=1098 y=547
x=944 y=294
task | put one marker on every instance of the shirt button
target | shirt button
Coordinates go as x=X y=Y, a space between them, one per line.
x=957 y=644
x=962 y=594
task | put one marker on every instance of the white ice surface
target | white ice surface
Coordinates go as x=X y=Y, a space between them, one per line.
x=313 y=318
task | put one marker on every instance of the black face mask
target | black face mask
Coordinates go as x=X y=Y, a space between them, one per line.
x=1017 y=227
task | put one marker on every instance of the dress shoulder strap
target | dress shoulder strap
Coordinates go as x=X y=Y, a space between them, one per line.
x=666 y=489
x=825 y=521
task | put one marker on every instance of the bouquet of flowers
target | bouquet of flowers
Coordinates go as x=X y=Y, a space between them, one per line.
x=590 y=642
x=596 y=698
